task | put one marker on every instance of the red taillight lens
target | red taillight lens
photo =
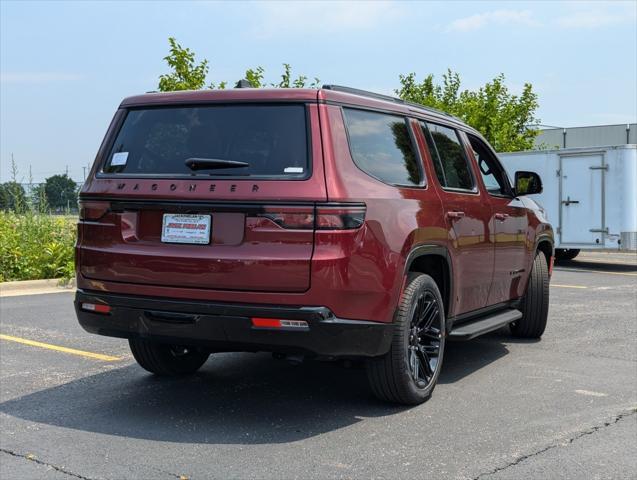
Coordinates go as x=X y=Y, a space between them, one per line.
x=259 y=322
x=297 y=217
x=96 y=307
x=93 y=210
x=339 y=217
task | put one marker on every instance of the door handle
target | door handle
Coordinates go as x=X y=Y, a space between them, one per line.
x=501 y=216
x=455 y=214
x=568 y=201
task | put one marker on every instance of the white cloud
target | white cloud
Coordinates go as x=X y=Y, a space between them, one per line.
x=323 y=17
x=496 y=17
x=38 y=77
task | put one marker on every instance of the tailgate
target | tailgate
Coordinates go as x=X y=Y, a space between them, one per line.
x=254 y=247
x=250 y=198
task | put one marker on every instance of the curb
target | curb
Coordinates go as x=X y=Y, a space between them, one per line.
x=35 y=287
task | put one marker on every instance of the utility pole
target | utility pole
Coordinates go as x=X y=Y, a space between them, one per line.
x=84 y=174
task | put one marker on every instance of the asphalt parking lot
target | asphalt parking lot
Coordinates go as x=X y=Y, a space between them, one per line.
x=563 y=407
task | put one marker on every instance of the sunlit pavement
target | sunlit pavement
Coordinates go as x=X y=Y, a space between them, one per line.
x=564 y=407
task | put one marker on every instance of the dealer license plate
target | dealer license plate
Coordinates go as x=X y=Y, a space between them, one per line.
x=179 y=228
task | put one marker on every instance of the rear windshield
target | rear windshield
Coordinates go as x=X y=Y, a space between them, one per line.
x=268 y=140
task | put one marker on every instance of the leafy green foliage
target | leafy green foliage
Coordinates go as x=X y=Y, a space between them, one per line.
x=187 y=74
x=37 y=199
x=255 y=77
x=12 y=197
x=298 y=82
x=504 y=119
x=61 y=192
x=12 y=194
x=34 y=246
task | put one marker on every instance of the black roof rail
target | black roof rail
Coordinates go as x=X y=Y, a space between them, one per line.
x=388 y=98
x=363 y=93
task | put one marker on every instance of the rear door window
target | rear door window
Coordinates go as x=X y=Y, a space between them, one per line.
x=382 y=147
x=492 y=172
x=448 y=155
x=268 y=140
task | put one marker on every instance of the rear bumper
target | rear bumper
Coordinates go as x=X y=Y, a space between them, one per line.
x=228 y=326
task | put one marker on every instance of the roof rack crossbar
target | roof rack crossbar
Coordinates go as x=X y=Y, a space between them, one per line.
x=388 y=98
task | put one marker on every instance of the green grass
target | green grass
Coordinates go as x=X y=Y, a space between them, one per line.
x=35 y=246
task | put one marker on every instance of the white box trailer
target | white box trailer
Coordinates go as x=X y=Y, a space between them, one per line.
x=590 y=195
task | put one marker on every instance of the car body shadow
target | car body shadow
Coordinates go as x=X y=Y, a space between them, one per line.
x=233 y=399
x=463 y=358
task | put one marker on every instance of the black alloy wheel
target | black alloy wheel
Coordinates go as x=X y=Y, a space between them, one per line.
x=425 y=339
x=408 y=372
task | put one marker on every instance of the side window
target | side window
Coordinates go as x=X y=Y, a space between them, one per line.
x=493 y=175
x=448 y=154
x=382 y=147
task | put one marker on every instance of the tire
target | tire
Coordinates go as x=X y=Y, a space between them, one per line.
x=408 y=373
x=167 y=360
x=565 y=254
x=535 y=304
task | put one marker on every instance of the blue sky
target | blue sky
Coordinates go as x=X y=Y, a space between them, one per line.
x=65 y=66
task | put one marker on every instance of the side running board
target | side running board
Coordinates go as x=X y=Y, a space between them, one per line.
x=475 y=328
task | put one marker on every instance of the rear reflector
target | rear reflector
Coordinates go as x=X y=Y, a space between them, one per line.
x=259 y=322
x=96 y=307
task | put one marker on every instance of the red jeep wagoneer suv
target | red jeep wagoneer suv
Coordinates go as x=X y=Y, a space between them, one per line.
x=333 y=223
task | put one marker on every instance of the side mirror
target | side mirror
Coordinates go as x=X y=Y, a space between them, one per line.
x=527 y=183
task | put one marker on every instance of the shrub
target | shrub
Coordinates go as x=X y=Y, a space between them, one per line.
x=35 y=246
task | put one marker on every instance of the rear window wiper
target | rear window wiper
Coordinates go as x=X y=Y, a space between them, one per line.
x=213 y=163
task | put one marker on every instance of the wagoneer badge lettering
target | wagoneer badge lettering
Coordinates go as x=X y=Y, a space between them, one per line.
x=191 y=187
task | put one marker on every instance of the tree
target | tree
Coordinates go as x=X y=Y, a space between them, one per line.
x=61 y=192
x=38 y=198
x=12 y=196
x=299 y=82
x=504 y=119
x=187 y=74
x=254 y=76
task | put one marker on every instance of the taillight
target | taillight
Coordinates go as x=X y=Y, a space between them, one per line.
x=339 y=216
x=325 y=216
x=297 y=217
x=93 y=210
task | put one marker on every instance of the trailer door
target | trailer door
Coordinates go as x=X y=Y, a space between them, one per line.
x=581 y=206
